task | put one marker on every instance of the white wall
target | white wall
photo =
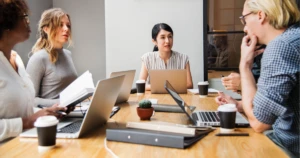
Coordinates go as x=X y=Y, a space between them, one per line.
x=128 y=31
x=36 y=9
x=88 y=31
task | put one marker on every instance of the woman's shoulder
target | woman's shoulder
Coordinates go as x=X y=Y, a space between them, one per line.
x=40 y=54
x=66 y=51
x=175 y=53
x=150 y=55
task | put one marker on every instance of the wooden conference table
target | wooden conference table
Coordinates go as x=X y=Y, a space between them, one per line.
x=92 y=144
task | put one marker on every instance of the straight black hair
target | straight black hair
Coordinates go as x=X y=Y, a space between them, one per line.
x=156 y=29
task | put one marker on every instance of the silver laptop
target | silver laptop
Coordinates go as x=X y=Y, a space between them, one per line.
x=176 y=77
x=103 y=100
x=126 y=86
x=202 y=118
x=216 y=83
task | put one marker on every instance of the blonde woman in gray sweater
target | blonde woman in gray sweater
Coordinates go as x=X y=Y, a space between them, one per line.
x=51 y=67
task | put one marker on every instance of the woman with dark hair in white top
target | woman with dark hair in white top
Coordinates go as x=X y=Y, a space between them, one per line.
x=163 y=57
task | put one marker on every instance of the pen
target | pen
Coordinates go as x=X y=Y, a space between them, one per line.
x=58 y=112
x=232 y=134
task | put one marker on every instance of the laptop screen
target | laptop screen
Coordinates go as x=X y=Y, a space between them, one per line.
x=178 y=99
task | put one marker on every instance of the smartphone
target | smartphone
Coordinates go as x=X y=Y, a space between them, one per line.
x=115 y=109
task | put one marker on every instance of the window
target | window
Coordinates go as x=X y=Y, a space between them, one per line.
x=223 y=33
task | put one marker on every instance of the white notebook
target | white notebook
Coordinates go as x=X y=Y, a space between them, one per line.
x=80 y=89
x=162 y=126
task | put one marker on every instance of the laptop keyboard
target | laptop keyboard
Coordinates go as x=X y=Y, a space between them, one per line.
x=208 y=116
x=71 y=128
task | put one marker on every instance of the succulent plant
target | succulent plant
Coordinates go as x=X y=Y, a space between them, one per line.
x=145 y=104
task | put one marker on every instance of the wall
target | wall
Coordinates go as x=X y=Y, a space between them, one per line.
x=88 y=31
x=128 y=31
x=36 y=9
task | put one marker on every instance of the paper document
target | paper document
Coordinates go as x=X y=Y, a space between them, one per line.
x=80 y=89
x=196 y=91
x=153 y=101
x=162 y=126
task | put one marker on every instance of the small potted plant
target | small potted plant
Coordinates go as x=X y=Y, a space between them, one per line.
x=145 y=109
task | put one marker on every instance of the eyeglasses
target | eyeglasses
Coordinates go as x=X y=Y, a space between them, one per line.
x=26 y=17
x=243 y=18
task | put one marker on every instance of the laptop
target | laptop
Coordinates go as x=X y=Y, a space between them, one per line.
x=103 y=100
x=126 y=86
x=216 y=83
x=202 y=118
x=177 y=77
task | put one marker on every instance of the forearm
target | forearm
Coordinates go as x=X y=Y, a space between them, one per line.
x=45 y=102
x=10 y=128
x=148 y=87
x=249 y=90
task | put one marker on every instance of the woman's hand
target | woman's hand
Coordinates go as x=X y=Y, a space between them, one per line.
x=232 y=82
x=226 y=99
x=29 y=121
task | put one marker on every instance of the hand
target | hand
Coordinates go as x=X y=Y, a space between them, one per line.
x=259 y=49
x=232 y=82
x=69 y=109
x=226 y=99
x=248 y=50
x=29 y=121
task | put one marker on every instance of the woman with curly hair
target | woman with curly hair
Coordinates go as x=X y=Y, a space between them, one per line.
x=16 y=88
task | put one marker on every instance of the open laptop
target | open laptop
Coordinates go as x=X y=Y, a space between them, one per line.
x=202 y=118
x=177 y=77
x=103 y=100
x=126 y=86
x=216 y=83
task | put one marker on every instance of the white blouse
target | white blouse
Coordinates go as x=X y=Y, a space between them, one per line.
x=16 y=97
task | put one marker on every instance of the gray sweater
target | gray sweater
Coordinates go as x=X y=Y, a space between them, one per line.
x=50 y=79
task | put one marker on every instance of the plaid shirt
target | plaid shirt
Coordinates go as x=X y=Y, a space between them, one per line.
x=276 y=101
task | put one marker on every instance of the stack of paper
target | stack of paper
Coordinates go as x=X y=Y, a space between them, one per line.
x=80 y=89
x=196 y=91
x=162 y=126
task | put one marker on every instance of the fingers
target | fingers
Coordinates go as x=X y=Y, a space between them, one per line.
x=56 y=107
x=258 y=52
x=228 y=78
x=253 y=41
x=245 y=41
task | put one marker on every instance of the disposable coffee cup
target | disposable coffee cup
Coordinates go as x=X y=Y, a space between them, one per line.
x=203 y=89
x=140 y=87
x=46 y=129
x=227 y=114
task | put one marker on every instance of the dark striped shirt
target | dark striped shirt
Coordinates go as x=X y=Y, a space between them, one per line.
x=152 y=61
x=277 y=99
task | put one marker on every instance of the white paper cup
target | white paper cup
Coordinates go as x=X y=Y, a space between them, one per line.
x=227 y=115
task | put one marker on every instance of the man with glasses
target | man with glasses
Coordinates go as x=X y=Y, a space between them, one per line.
x=272 y=106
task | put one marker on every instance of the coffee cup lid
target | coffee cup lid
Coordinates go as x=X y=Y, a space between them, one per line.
x=140 y=81
x=203 y=83
x=45 y=121
x=227 y=107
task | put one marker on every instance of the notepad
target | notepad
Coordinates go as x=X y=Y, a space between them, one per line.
x=196 y=91
x=79 y=90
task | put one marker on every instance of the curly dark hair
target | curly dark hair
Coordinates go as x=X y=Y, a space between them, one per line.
x=11 y=11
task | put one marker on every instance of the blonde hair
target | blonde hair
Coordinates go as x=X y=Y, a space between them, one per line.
x=280 y=13
x=50 y=18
